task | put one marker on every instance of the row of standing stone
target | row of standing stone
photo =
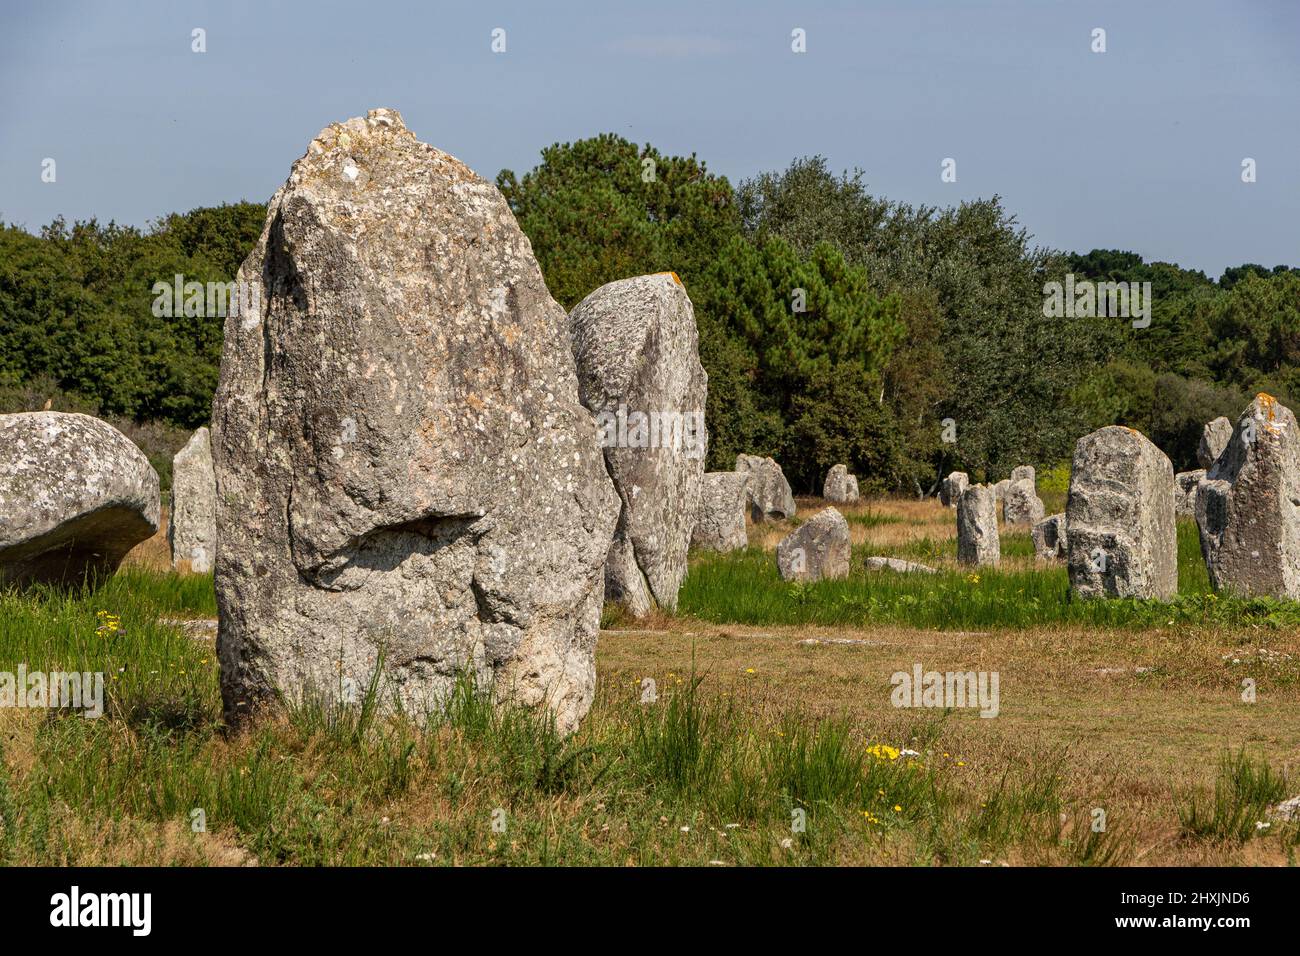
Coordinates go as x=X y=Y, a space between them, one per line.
x=1118 y=533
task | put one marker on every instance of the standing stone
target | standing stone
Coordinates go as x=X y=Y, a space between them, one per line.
x=720 y=522
x=1120 y=517
x=192 y=517
x=1214 y=439
x=1185 y=492
x=1000 y=489
x=1050 y=539
x=1022 y=504
x=407 y=485
x=1248 y=505
x=818 y=549
x=841 y=488
x=953 y=486
x=1023 y=473
x=637 y=352
x=977 y=527
x=75 y=496
x=770 y=498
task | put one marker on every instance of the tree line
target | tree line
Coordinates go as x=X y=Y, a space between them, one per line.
x=835 y=325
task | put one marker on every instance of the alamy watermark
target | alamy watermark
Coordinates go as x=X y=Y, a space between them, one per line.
x=676 y=431
x=204 y=300
x=1086 y=299
x=82 y=691
x=946 y=689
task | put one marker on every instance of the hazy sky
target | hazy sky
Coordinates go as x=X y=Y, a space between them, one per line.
x=1136 y=148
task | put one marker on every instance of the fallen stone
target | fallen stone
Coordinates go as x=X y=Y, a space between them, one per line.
x=75 y=495
x=192 y=517
x=1050 y=539
x=840 y=488
x=770 y=497
x=977 y=527
x=410 y=489
x=897 y=564
x=1214 y=439
x=1248 y=505
x=818 y=549
x=1120 y=516
x=637 y=353
x=720 y=521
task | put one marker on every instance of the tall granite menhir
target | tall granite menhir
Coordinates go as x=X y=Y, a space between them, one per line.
x=637 y=353
x=1122 y=540
x=192 y=518
x=406 y=479
x=1248 y=505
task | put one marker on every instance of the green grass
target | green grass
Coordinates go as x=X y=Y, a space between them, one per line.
x=694 y=778
x=1243 y=793
x=745 y=588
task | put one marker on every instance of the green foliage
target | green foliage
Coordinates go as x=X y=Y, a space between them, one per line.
x=1243 y=793
x=914 y=315
x=76 y=310
x=601 y=209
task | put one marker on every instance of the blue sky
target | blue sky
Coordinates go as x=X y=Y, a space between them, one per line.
x=1136 y=148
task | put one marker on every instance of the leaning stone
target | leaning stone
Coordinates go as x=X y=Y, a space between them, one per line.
x=1120 y=516
x=897 y=564
x=720 y=522
x=818 y=549
x=75 y=496
x=1247 y=505
x=1185 y=492
x=952 y=487
x=1050 y=539
x=192 y=517
x=770 y=498
x=841 y=488
x=977 y=527
x=1021 y=504
x=409 y=487
x=1214 y=439
x=637 y=353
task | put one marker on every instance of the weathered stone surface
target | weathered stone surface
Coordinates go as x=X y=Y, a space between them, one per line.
x=953 y=486
x=1023 y=473
x=770 y=498
x=977 y=527
x=818 y=549
x=720 y=522
x=75 y=496
x=841 y=488
x=1214 y=439
x=1120 y=517
x=898 y=564
x=192 y=517
x=1050 y=538
x=1000 y=489
x=1021 y=504
x=407 y=484
x=637 y=353
x=1185 y=492
x=1248 y=505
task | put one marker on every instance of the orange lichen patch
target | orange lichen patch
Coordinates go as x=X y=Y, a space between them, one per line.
x=676 y=278
x=474 y=402
x=1267 y=405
